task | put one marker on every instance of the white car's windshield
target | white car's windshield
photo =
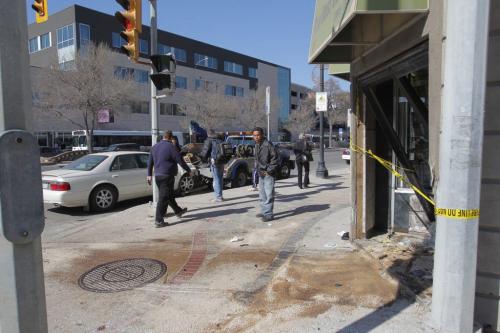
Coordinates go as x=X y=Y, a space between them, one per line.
x=86 y=163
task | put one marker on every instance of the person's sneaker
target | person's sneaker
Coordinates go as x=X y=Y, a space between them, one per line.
x=267 y=218
x=183 y=210
x=253 y=189
x=217 y=200
x=160 y=224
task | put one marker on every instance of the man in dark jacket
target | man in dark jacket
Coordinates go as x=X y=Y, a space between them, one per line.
x=266 y=163
x=302 y=150
x=165 y=157
x=216 y=167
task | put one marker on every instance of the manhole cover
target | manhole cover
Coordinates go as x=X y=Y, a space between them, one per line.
x=122 y=275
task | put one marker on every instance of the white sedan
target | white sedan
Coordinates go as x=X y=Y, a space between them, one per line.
x=99 y=181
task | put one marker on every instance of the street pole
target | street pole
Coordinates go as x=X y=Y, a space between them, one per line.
x=154 y=100
x=321 y=171
x=268 y=111
x=460 y=157
x=22 y=291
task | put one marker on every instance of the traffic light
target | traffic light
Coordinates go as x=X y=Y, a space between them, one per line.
x=164 y=66
x=40 y=7
x=131 y=20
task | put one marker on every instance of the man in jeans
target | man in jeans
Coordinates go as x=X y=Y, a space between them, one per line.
x=164 y=157
x=266 y=163
x=209 y=152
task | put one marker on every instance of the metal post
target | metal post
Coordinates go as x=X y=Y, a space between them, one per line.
x=22 y=292
x=321 y=171
x=268 y=111
x=154 y=100
x=460 y=157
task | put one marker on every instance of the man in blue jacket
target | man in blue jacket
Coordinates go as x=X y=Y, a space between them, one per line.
x=164 y=157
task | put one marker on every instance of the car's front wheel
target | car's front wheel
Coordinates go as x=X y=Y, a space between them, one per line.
x=240 y=179
x=186 y=184
x=284 y=171
x=103 y=198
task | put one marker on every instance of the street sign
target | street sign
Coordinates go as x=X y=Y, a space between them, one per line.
x=268 y=100
x=321 y=102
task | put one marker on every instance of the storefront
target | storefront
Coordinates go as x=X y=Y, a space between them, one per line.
x=392 y=53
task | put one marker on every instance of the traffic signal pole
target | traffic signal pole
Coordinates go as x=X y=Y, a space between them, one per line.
x=22 y=292
x=460 y=160
x=154 y=100
x=321 y=171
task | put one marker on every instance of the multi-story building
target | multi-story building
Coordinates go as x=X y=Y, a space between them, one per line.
x=58 y=40
x=298 y=94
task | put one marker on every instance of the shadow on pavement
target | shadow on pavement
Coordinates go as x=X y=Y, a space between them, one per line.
x=120 y=206
x=212 y=214
x=301 y=210
x=409 y=289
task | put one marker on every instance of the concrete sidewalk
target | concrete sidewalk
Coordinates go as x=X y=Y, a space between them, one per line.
x=293 y=274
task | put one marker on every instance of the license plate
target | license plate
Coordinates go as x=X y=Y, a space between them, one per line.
x=45 y=185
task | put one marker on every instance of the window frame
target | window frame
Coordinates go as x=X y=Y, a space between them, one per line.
x=65 y=42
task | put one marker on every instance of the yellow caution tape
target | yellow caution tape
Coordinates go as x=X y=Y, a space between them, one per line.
x=393 y=168
x=457 y=213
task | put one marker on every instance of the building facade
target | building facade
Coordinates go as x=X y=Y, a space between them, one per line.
x=56 y=42
x=392 y=52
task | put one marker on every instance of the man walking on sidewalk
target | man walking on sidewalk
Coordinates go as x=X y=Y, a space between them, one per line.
x=212 y=151
x=266 y=163
x=164 y=158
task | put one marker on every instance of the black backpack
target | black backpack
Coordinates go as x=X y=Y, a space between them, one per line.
x=218 y=152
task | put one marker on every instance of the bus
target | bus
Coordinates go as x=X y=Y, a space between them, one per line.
x=102 y=139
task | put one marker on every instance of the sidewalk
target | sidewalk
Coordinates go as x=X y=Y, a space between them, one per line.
x=293 y=274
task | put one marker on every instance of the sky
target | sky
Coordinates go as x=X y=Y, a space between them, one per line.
x=276 y=31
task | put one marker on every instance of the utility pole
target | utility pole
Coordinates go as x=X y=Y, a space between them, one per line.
x=321 y=171
x=268 y=111
x=22 y=292
x=460 y=157
x=154 y=100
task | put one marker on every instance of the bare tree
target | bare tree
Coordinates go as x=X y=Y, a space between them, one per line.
x=80 y=91
x=209 y=108
x=303 y=119
x=251 y=109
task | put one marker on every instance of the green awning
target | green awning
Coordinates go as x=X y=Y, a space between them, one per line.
x=340 y=26
x=342 y=71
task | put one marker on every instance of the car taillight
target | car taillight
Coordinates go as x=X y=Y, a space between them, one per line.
x=60 y=187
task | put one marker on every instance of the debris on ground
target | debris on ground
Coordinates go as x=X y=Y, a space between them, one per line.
x=330 y=245
x=236 y=239
x=344 y=235
x=407 y=258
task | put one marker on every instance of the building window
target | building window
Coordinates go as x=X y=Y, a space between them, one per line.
x=233 y=91
x=167 y=109
x=205 y=61
x=202 y=84
x=294 y=93
x=143 y=46
x=141 y=76
x=140 y=107
x=65 y=36
x=84 y=34
x=45 y=41
x=252 y=72
x=33 y=45
x=180 y=82
x=180 y=54
x=303 y=96
x=294 y=107
x=116 y=40
x=232 y=67
x=163 y=49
